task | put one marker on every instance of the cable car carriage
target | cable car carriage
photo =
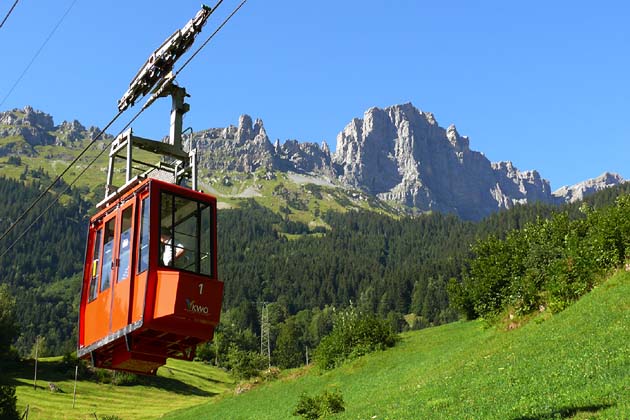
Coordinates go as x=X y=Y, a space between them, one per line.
x=150 y=289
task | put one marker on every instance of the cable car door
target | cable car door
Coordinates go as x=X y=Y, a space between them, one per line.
x=122 y=279
x=97 y=310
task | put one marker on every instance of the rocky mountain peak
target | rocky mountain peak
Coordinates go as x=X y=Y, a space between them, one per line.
x=325 y=148
x=458 y=142
x=400 y=153
x=72 y=131
x=580 y=190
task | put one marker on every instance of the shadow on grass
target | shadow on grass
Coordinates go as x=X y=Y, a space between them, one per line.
x=566 y=412
x=57 y=371
x=174 y=371
x=171 y=385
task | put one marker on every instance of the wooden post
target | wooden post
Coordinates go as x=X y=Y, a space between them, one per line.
x=306 y=355
x=36 y=355
x=74 y=393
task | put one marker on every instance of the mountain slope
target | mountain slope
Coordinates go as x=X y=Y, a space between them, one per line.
x=573 y=364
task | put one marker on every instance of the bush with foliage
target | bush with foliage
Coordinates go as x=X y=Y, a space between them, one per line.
x=246 y=364
x=550 y=263
x=354 y=334
x=8 y=401
x=318 y=406
x=8 y=323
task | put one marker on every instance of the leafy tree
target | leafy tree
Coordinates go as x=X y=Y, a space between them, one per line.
x=246 y=364
x=288 y=351
x=8 y=403
x=8 y=323
x=551 y=262
x=354 y=334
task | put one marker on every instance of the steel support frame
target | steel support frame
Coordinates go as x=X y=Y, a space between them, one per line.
x=184 y=164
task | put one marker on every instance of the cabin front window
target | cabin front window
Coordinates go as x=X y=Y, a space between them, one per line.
x=186 y=234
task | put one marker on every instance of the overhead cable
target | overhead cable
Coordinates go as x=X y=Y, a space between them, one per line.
x=9 y=13
x=75 y=160
x=19 y=79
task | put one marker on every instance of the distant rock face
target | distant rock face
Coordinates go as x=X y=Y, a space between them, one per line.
x=244 y=148
x=401 y=153
x=37 y=128
x=247 y=148
x=579 y=191
x=32 y=125
x=398 y=154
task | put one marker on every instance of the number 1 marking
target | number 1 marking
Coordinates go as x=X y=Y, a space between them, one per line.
x=200 y=288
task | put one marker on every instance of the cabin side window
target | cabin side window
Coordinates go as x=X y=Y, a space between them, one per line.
x=96 y=252
x=124 y=245
x=143 y=251
x=108 y=249
x=205 y=241
x=167 y=251
x=185 y=234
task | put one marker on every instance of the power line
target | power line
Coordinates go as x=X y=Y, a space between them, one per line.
x=75 y=160
x=9 y=13
x=226 y=20
x=61 y=193
x=37 y=53
x=43 y=193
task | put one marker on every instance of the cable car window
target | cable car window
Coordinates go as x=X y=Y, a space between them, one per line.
x=94 y=269
x=108 y=248
x=166 y=230
x=186 y=234
x=143 y=253
x=124 y=244
x=205 y=251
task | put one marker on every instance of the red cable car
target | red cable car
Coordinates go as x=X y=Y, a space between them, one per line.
x=150 y=288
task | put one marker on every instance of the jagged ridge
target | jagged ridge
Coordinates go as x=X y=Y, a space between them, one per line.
x=398 y=154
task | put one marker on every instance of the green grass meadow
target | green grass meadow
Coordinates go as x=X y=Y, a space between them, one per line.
x=572 y=365
x=177 y=385
x=575 y=364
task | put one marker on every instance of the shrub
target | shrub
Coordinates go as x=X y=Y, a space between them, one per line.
x=318 y=406
x=354 y=334
x=246 y=364
x=8 y=401
x=550 y=263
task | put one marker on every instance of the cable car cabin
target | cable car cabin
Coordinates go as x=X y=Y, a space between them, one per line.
x=150 y=288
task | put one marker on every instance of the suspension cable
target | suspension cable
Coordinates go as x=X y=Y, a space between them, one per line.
x=75 y=160
x=52 y=184
x=9 y=13
x=28 y=66
x=61 y=193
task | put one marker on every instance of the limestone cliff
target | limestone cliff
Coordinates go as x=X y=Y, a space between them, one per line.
x=401 y=153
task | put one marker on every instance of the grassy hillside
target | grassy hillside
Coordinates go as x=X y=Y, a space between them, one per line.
x=571 y=365
x=177 y=385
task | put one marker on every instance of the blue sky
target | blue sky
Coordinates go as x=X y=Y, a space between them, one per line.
x=543 y=84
